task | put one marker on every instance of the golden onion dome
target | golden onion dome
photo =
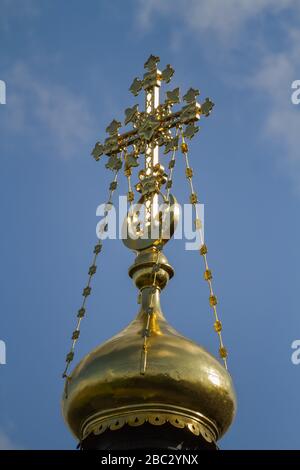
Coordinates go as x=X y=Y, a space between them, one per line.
x=174 y=380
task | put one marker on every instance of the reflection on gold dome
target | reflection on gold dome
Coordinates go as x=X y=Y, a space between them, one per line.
x=183 y=384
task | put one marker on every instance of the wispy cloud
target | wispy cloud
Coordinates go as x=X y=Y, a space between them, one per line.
x=273 y=79
x=38 y=107
x=222 y=18
x=227 y=24
x=6 y=443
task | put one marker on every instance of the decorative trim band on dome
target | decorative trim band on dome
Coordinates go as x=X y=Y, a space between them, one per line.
x=157 y=417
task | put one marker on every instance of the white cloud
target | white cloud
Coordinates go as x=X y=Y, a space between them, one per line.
x=226 y=22
x=223 y=18
x=46 y=110
x=273 y=79
x=6 y=443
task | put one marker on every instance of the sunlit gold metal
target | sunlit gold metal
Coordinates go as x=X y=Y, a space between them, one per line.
x=183 y=385
x=149 y=372
x=156 y=414
x=152 y=234
x=157 y=119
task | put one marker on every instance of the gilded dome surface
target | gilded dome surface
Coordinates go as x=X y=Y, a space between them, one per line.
x=182 y=383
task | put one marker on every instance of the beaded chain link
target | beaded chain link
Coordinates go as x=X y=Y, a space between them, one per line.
x=91 y=272
x=203 y=252
x=171 y=166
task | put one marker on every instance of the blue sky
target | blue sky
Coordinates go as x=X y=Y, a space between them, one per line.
x=67 y=67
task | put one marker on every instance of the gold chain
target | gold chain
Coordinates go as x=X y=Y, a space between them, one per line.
x=150 y=311
x=130 y=193
x=92 y=270
x=155 y=269
x=203 y=251
x=171 y=166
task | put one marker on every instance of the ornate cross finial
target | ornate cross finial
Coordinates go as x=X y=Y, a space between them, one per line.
x=151 y=128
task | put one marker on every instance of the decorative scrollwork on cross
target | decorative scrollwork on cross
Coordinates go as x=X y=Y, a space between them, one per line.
x=152 y=127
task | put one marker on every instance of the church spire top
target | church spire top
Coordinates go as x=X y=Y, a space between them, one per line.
x=149 y=374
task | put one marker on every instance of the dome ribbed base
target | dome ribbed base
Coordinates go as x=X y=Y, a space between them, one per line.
x=147 y=436
x=149 y=422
